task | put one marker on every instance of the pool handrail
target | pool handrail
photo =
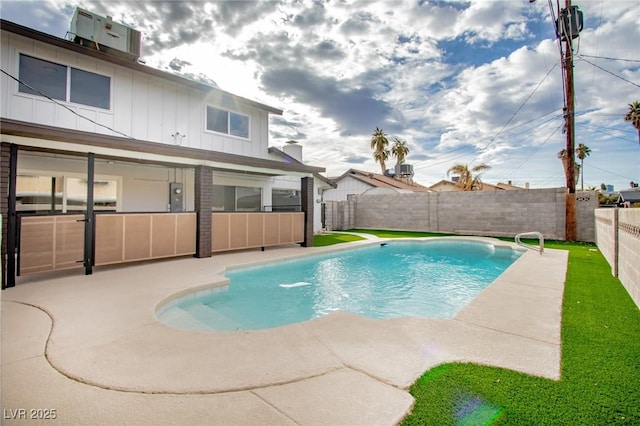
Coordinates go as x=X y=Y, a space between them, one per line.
x=538 y=235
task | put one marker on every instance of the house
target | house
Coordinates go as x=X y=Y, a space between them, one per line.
x=628 y=198
x=452 y=185
x=104 y=160
x=354 y=182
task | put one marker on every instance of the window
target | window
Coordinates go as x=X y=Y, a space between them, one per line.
x=285 y=200
x=44 y=76
x=91 y=89
x=236 y=198
x=227 y=122
x=64 y=83
x=36 y=193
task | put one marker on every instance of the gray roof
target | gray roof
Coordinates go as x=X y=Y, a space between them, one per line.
x=632 y=196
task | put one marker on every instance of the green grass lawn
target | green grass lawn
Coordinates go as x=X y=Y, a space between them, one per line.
x=321 y=240
x=397 y=234
x=600 y=382
x=600 y=378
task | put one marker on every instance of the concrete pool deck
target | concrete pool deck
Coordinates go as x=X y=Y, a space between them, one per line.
x=91 y=348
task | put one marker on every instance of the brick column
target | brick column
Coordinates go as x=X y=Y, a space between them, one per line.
x=8 y=173
x=306 y=197
x=203 y=203
x=5 y=154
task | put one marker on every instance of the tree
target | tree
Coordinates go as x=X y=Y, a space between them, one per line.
x=399 y=149
x=582 y=152
x=379 y=143
x=468 y=179
x=634 y=116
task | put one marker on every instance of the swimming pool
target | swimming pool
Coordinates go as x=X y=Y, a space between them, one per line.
x=431 y=278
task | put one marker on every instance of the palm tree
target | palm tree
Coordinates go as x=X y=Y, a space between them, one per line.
x=582 y=152
x=468 y=179
x=634 y=116
x=379 y=143
x=399 y=149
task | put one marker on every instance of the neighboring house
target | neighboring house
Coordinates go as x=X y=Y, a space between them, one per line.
x=628 y=198
x=86 y=128
x=509 y=186
x=445 y=185
x=354 y=182
x=450 y=185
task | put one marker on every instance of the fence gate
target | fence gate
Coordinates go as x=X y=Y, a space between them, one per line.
x=50 y=242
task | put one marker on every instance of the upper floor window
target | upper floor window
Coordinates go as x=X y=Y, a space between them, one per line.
x=227 y=122
x=64 y=83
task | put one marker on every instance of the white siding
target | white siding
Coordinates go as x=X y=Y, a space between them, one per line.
x=346 y=186
x=142 y=106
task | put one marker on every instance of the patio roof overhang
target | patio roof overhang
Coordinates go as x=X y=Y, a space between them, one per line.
x=43 y=138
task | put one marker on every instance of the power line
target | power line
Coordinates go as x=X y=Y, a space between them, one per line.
x=64 y=106
x=609 y=58
x=610 y=172
x=528 y=157
x=607 y=71
x=470 y=148
x=521 y=105
x=493 y=138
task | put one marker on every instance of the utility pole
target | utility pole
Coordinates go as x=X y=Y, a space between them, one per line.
x=568 y=27
x=565 y=26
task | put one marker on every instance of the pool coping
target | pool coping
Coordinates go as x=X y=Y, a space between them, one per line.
x=514 y=323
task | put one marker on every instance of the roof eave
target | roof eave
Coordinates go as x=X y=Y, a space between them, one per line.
x=130 y=146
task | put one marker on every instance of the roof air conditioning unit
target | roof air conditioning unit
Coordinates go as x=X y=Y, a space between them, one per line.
x=104 y=34
x=404 y=170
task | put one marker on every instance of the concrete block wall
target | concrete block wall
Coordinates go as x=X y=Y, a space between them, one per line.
x=497 y=213
x=629 y=251
x=586 y=204
x=339 y=215
x=618 y=239
x=606 y=223
x=393 y=211
x=503 y=213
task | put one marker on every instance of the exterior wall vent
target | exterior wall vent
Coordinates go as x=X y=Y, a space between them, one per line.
x=90 y=29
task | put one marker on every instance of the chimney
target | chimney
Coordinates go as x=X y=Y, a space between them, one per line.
x=293 y=149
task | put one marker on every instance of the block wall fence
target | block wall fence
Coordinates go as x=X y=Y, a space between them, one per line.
x=618 y=238
x=499 y=213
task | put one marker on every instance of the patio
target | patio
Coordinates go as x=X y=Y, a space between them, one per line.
x=91 y=348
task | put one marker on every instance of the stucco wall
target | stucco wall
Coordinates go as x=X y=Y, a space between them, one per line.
x=499 y=213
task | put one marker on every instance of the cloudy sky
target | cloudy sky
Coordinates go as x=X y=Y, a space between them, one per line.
x=466 y=81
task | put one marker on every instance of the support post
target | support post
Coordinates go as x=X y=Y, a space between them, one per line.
x=8 y=179
x=306 y=198
x=89 y=217
x=203 y=204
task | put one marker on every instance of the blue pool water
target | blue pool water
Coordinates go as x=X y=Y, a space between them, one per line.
x=433 y=278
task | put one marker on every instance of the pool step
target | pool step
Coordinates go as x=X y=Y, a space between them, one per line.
x=206 y=316
x=183 y=320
